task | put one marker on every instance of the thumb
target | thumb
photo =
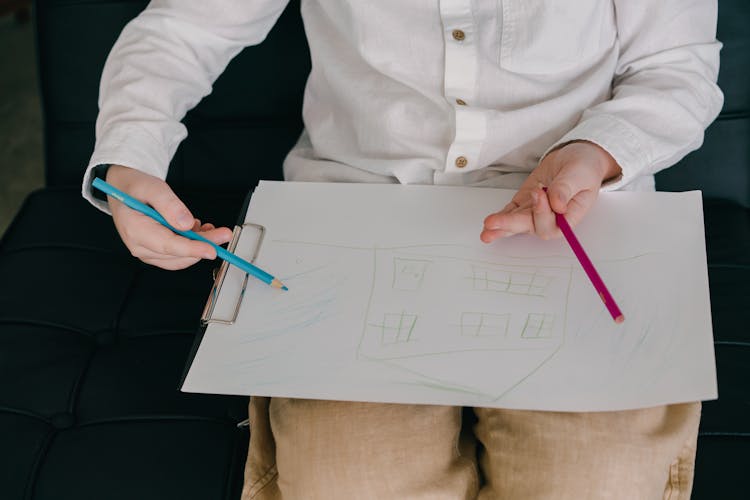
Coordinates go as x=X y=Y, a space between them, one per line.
x=163 y=199
x=560 y=192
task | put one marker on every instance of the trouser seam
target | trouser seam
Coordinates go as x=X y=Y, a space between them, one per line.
x=675 y=479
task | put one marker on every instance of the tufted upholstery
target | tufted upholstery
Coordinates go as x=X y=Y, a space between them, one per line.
x=93 y=344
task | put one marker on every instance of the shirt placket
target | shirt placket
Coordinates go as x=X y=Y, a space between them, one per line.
x=461 y=88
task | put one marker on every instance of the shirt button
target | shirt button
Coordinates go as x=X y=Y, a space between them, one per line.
x=461 y=162
x=459 y=35
x=460 y=102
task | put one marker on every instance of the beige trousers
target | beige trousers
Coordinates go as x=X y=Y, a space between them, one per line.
x=308 y=449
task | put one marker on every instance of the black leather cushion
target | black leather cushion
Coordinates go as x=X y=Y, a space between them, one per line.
x=721 y=167
x=92 y=348
x=724 y=441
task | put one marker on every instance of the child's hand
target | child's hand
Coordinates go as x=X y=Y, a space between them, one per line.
x=147 y=239
x=573 y=175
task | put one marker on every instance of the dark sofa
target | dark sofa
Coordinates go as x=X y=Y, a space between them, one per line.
x=93 y=343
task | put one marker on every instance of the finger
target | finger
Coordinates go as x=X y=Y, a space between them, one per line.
x=147 y=238
x=545 y=225
x=172 y=264
x=526 y=205
x=147 y=253
x=196 y=225
x=177 y=246
x=518 y=221
x=572 y=181
x=579 y=206
x=140 y=231
x=154 y=191
x=560 y=192
x=219 y=235
x=501 y=225
x=512 y=205
x=160 y=196
x=488 y=236
x=207 y=227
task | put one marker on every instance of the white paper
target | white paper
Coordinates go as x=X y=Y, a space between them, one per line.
x=393 y=298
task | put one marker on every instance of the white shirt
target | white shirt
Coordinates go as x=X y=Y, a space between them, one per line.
x=470 y=92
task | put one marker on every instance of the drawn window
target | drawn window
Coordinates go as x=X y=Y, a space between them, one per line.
x=397 y=328
x=538 y=325
x=408 y=274
x=477 y=324
x=516 y=282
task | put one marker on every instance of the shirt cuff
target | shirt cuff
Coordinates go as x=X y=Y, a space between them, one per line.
x=128 y=146
x=615 y=136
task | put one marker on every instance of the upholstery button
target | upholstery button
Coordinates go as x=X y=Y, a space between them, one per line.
x=62 y=420
x=459 y=35
x=461 y=162
x=460 y=102
x=106 y=338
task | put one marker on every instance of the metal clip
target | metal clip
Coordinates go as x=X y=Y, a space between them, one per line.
x=220 y=276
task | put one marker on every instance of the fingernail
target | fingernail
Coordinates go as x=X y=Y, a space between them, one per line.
x=535 y=197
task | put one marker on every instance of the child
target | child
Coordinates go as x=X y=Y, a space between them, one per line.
x=500 y=93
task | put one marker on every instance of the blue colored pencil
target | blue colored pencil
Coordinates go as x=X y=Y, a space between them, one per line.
x=220 y=251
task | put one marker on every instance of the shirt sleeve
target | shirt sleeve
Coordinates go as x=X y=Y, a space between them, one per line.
x=664 y=91
x=163 y=63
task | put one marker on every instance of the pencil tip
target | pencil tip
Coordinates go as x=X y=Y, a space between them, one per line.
x=278 y=284
x=620 y=319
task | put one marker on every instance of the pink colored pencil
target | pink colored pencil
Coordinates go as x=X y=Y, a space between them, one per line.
x=596 y=280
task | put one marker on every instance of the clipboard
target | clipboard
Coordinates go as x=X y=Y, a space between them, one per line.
x=367 y=316
x=210 y=315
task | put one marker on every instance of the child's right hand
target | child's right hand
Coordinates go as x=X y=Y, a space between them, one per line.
x=147 y=239
x=574 y=174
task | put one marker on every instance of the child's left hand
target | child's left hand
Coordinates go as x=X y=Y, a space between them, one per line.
x=572 y=174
